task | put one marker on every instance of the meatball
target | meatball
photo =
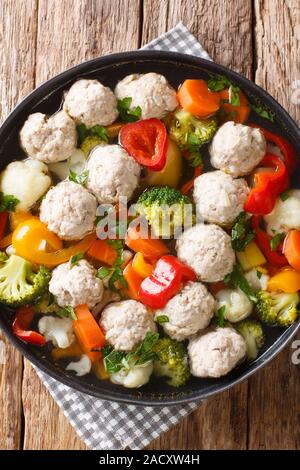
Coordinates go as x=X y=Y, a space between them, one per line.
x=285 y=215
x=150 y=91
x=216 y=353
x=219 y=197
x=207 y=249
x=126 y=323
x=90 y=103
x=49 y=139
x=188 y=312
x=237 y=149
x=76 y=285
x=69 y=210
x=112 y=173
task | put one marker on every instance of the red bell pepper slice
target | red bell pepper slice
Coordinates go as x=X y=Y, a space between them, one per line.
x=3 y=221
x=165 y=281
x=287 y=150
x=21 y=324
x=263 y=239
x=146 y=141
x=268 y=185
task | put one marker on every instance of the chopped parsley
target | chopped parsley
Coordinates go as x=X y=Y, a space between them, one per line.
x=8 y=202
x=126 y=113
x=74 y=259
x=96 y=131
x=263 y=112
x=237 y=279
x=276 y=240
x=241 y=232
x=284 y=196
x=220 y=316
x=219 y=82
x=79 y=178
x=162 y=319
x=67 y=312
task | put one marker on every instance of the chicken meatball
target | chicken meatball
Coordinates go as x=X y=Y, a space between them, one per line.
x=219 y=197
x=126 y=323
x=216 y=353
x=90 y=103
x=150 y=91
x=49 y=139
x=237 y=149
x=69 y=210
x=188 y=312
x=76 y=285
x=112 y=173
x=207 y=249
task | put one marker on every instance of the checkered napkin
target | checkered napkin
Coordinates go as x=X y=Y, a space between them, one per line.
x=105 y=425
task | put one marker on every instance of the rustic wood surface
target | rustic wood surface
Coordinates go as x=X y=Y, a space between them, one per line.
x=260 y=39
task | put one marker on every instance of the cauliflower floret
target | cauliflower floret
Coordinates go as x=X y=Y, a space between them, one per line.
x=150 y=91
x=89 y=102
x=237 y=149
x=76 y=163
x=236 y=303
x=76 y=285
x=134 y=377
x=285 y=215
x=126 y=323
x=27 y=180
x=207 y=249
x=112 y=173
x=188 y=312
x=69 y=210
x=219 y=197
x=216 y=353
x=49 y=139
x=81 y=367
x=57 y=330
x=257 y=280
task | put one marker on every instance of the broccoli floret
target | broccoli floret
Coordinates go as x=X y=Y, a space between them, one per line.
x=47 y=305
x=19 y=285
x=171 y=361
x=277 y=308
x=89 y=143
x=166 y=210
x=253 y=335
x=187 y=130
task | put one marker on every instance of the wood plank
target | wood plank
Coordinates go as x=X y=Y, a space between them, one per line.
x=93 y=28
x=274 y=407
x=221 y=27
x=17 y=46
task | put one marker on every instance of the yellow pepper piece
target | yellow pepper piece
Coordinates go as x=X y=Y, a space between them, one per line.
x=17 y=218
x=251 y=257
x=140 y=266
x=287 y=280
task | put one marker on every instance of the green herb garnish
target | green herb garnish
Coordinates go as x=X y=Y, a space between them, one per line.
x=219 y=82
x=259 y=274
x=263 y=112
x=241 y=232
x=79 y=178
x=237 y=279
x=276 y=240
x=126 y=113
x=103 y=272
x=75 y=258
x=8 y=202
x=67 y=312
x=115 y=273
x=220 y=316
x=284 y=196
x=162 y=319
x=99 y=131
x=82 y=133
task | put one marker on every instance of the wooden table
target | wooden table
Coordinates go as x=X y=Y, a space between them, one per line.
x=260 y=39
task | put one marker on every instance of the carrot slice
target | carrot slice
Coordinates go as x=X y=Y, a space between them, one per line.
x=88 y=333
x=71 y=351
x=152 y=249
x=102 y=251
x=134 y=280
x=238 y=114
x=114 y=129
x=291 y=248
x=196 y=98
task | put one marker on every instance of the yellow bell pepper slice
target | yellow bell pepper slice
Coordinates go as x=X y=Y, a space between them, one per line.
x=251 y=257
x=287 y=280
x=140 y=266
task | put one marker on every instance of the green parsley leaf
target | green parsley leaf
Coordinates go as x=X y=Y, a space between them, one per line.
x=8 y=202
x=99 y=131
x=276 y=240
x=113 y=360
x=103 y=272
x=127 y=114
x=75 y=258
x=162 y=319
x=241 y=233
x=220 y=316
x=79 y=178
x=259 y=274
x=82 y=133
x=67 y=312
x=219 y=82
x=263 y=112
x=234 y=95
x=284 y=196
x=237 y=279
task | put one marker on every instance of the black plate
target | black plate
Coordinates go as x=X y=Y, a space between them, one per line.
x=109 y=70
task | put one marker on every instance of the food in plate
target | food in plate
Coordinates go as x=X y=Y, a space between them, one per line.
x=150 y=231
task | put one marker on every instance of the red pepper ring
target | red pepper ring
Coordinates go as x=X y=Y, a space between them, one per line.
x=21 y=323
x=165 y=281
x=287 y=150
x=268 y=186
x=146 y=141
x=262 y=238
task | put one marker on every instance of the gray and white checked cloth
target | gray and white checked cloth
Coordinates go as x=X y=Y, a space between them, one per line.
x=105 y=425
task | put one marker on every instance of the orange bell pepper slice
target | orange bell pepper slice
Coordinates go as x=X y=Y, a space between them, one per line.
x=134 y=280
x=16 y=218
x=102 y=251
x=287 y=280
x=141 y=267
x=88 y=333
x=291 y=248
x=152 y=249
x=195 y=97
